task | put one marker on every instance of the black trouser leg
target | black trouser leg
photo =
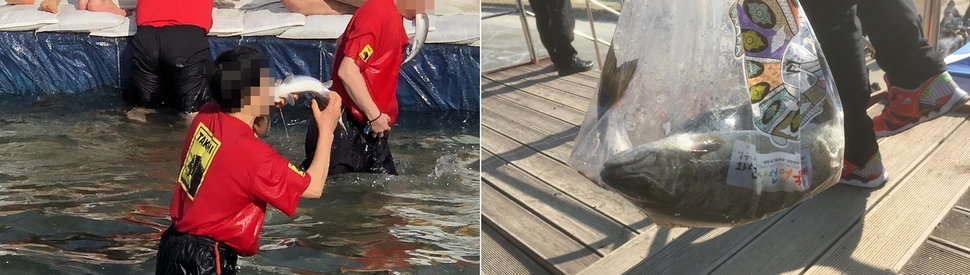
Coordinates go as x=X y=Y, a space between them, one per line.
x=146 y=74
x=840 y=37
x=895 y=30
x=170 y=64
x=353 y=151
x=182 y=254
x=555 y=23
x=190 y=63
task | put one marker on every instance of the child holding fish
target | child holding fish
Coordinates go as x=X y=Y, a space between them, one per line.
x=229 y=175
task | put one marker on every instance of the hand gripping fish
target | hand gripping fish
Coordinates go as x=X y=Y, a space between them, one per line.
x=309 y=86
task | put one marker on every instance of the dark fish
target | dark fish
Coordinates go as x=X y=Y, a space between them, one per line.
x=682 y=180
x=614 y=82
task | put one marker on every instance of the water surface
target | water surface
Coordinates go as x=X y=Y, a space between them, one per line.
x=83 y=190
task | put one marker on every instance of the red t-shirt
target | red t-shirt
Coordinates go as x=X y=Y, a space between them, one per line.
x=228 y=176
x=375 y=39
x=161 y=13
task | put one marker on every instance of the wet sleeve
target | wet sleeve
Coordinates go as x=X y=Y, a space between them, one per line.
x=361 y=45
x=279 y=183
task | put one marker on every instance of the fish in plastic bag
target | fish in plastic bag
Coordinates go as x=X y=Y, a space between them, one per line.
x=713 y=113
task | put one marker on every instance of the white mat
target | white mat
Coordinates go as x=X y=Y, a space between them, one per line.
x=126 y=28
x=226 y=22
x=69 y=19
x=319 y=27
x=24 y=17
x=270 y=20
x=448 y=23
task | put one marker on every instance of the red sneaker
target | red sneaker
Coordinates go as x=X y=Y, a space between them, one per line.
x=906 y=108
x=872 y=175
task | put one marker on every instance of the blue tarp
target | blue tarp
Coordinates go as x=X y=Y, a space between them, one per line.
x=960 y=68
x=441 y=77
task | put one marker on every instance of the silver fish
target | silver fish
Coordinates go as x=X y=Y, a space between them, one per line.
x=421 y=26
x=310 y=87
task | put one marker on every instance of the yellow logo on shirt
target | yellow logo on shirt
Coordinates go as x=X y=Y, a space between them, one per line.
x=366 y=52
x=297 y=170
x=202 y=148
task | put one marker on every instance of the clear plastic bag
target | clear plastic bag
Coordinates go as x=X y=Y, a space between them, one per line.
x=713 y=113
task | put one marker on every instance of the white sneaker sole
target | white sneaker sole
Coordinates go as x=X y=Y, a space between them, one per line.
x=882 y=179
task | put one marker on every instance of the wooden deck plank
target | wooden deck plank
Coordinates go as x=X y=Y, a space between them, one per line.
x=835 y=211
x=595 y=73
x=687 y=251
x=584 y=224
x=564 y=88
x=557 y=146
x=894 y=229
x=583 y=87
x=703 y=250
x=561 y=254
x=588 y=79
x=533 y=101
x=566 y=180
x=644 y=246
x=543 y=72
x=553 y=94
x=527 y=101
x=828 y=215
x=503 y=257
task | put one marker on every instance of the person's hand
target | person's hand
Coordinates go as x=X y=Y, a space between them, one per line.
x=327 y=118
x=280 y=102
x=380 y=126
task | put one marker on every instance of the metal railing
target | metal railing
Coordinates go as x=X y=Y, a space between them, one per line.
x=519 y=9
x=592 y=28
x=533 y=57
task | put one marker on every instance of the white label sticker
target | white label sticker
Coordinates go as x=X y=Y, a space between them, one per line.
x=771 y=172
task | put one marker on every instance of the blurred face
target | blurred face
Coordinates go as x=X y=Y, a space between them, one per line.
x=409 y=8
x=259 y=99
